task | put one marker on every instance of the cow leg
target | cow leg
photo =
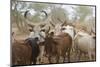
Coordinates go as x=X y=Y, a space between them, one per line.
x=29 y=62
x=64 y=58
x=57 y=58
x=79 y=57
x=42 y=53
x=39 y=59
x=90 y=56
x=68 y=55
x=34 y=61
x=93 y=56
x=49 y=58
x=76 y=52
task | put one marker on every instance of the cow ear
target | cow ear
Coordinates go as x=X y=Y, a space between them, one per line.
x=42 y=25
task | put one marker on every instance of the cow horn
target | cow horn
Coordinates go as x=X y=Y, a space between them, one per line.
x=59 y=20
x=25 y=14
x=63 y=23
x=46 y=15
x=52 y=24
x=48 y=30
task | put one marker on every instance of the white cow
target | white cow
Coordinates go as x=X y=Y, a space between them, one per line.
x=57 y=29
x=69 y=29
x=85 y=43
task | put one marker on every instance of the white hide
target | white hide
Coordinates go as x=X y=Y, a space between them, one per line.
x=69 y=30
x=34 y=34
x=31 y=35
x=85 y=43
x=57 y=29
x=41 y=35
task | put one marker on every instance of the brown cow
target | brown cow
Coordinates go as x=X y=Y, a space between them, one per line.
x=21 y=53
x=58 y=46
x=25 y=52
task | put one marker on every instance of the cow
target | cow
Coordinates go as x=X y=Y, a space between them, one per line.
x=71 y=30
x=58 y=46
x=85 y=44
x=58 y=42
x=25 y=52
x=21 y=53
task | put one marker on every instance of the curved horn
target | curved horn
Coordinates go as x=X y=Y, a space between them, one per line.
x=59 y=20
x=63 y=23
x=46 y=15
x=48 y=30
x=25 y=14
x=30 y=25
x=52 y=24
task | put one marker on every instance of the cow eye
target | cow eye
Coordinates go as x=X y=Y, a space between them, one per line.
x=63 y=29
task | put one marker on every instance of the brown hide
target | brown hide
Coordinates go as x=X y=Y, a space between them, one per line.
x=58 y=46
x=64 y=42
x=21 y=53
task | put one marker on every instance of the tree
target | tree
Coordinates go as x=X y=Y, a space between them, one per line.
x=38 y=6
x=82 y=12
x=58 y=13
x=17 y=16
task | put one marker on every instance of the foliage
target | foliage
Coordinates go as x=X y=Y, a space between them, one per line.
x=58 y=12
x=83 y=11
x=54 y=12
x=38 y=6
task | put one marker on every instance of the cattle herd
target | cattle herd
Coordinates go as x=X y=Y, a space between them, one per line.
x=64 y=43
